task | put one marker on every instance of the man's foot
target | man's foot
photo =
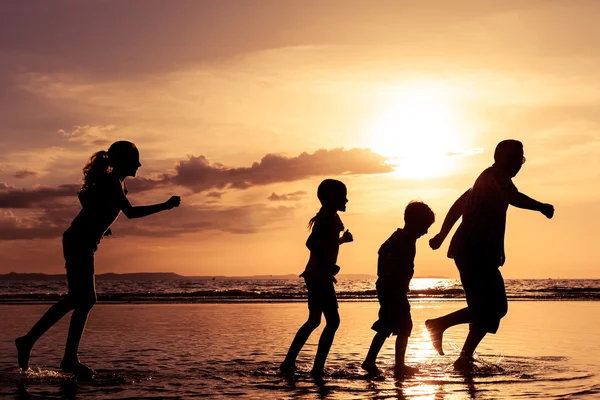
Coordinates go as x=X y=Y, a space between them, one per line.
x=404 y=370
x=78 y=369
x=436 y=334
x=464 y=363
x=317 y=374
x=286 y=368
x=371 y=369
x=23 y=352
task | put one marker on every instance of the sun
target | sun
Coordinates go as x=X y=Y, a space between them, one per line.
x=418 y=129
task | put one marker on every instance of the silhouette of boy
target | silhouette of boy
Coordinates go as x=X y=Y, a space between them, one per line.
x=395 y=269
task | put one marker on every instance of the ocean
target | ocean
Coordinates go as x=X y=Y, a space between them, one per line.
x=225 y=339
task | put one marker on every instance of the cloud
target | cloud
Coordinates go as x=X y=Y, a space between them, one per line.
x=198 y=174
x=89 y=135
x=39 y=197
x=294 y=196
x=24 y=174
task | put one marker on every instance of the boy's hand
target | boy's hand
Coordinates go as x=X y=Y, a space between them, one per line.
x=547 y=210
x=174 y=201
x=347 y=237
x=436 y=241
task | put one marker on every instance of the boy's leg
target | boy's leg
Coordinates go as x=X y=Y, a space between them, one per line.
x=401 y=369
x=369 y=364
x=314 y=320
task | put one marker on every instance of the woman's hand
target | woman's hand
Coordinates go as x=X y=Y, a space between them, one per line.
x=174 y=201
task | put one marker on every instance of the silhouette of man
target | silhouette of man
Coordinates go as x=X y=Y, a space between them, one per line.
x=477 y=248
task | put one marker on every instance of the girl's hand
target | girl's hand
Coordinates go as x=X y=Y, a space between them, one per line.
x=347 y=237
x=174 y=201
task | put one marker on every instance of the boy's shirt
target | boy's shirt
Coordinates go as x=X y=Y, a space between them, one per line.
x=396 y=262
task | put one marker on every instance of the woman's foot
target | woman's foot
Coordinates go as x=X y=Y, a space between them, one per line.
x=436 y=334
x=317 y=374
x=464 y=363
x=371 y=369
x=78 y=369
x=404 y=370
x=23 y=352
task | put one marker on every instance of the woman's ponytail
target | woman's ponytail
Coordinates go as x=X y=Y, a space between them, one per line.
x=95 y=169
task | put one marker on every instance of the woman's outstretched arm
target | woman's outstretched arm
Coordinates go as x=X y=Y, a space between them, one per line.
x=142 y=211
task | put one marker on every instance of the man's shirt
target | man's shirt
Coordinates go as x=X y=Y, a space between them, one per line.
x=481 y=232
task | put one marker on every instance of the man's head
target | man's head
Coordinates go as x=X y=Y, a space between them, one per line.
x=509 y=157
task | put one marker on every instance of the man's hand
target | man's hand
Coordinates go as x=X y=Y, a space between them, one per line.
x=547 y=210
x=347 y=237
x=174 y=201
x=436 y=241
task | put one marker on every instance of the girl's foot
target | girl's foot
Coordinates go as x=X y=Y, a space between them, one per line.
x=23 y=352
x=371 y=369
x=436 y=335
x=464 y=363
x=404 y=370
x=78 y=369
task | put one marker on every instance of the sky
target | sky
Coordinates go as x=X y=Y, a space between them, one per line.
x=243 y=107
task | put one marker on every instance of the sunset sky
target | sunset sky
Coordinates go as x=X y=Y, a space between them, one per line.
x=243 y=107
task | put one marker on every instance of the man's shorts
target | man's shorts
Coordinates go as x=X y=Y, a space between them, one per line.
x=321 y=295
x=484 y=290
x=394 y=310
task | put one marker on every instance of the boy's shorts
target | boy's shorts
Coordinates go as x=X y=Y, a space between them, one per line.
x=321 y=295
x=394 y=311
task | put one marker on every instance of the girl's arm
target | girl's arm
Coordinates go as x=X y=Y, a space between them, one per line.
x=143 y=211
x=455 y=212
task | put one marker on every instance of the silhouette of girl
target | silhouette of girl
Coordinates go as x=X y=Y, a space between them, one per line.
x=324 y=243
x=103 y=197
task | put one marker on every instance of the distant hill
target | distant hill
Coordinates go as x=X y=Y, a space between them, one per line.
x=166 y=276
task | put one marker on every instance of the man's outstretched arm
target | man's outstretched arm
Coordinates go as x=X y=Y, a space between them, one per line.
x=455 y=212
x=521 y=200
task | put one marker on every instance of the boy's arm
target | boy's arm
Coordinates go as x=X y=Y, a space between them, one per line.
x=455 y=212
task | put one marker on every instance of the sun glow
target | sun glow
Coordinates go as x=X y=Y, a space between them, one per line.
x=418 y=130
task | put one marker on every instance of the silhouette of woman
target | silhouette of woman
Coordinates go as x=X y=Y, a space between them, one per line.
x=319 y=275
x=103 y=197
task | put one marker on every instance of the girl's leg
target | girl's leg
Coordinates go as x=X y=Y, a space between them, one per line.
x=51 y=317
x=332 y=318
x=84 y=297
x=314 y=320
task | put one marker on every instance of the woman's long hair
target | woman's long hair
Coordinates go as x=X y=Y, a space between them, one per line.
x=101 y=163
x=328 y=191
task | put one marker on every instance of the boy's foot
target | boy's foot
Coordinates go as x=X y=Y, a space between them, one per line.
x=371 y=369
x=436 y=334
x=404 y=370
x=78 y=369
x=464 y=363
x=23 y=352
x=287 y=368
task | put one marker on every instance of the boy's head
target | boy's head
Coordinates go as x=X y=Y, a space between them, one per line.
x=418 y=217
